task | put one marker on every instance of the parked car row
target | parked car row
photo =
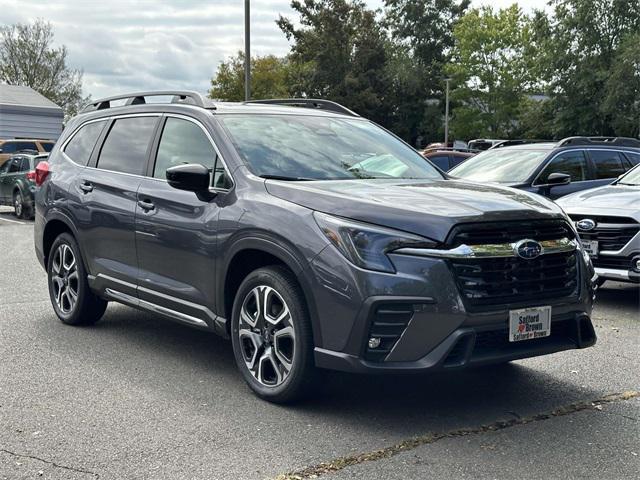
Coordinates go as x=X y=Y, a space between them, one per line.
x=13 y=146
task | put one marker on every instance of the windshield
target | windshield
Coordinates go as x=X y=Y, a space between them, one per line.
x=500 y=165
x=302 y=147
x=631 y=178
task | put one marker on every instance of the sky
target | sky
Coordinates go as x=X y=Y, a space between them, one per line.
x=124 y=46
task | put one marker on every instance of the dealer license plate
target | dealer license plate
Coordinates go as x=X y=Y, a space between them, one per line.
x=591 y=247
x=529 y=323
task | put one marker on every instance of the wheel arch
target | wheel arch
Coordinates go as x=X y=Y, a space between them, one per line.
x=251 y=253
x=58 y=223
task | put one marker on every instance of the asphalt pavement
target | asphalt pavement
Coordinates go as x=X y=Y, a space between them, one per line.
x=139 y=397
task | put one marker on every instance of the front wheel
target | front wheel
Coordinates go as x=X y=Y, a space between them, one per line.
x=271 y=335
x=71 y=297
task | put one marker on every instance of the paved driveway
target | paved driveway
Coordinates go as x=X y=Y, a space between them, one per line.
x=139 y=397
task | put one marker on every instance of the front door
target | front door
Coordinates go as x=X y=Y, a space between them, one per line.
x=176 y=230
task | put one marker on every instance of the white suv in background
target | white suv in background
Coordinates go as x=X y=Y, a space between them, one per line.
x=608 y=221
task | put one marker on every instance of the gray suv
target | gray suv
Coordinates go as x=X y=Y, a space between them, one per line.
x=308 y=235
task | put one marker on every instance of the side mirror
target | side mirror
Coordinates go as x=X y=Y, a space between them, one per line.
x=192 y=177
x=556 y=179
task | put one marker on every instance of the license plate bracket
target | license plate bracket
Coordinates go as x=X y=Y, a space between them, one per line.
x=529 y=323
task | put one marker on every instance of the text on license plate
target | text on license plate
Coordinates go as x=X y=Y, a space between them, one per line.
x=529 y=323
x=591 y=247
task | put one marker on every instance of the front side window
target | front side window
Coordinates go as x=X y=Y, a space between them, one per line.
x=26 y=165
x=502 y=165
x=183 y=142
x=306 y=147
x=125 y=148
x=81 y=145
x=608 y=163
x=15 y=164
x=570 y=163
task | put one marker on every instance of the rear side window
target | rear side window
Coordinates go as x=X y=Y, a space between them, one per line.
x=81 y=145
x=182 y=142
x=442 y=161
x=125 y=148
x=15 y=164
x=26 y=165
x=634 y=158
x=570 y=163
x=608 y=163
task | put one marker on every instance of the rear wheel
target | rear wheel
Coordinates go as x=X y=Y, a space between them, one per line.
x=71 y=297
x=20 y=206
x=271 y=335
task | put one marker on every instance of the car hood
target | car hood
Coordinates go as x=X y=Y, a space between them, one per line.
x=427 y=208
x=618 y=197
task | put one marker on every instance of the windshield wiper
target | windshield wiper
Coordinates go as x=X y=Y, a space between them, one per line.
x=284 y=177
x=629 y=184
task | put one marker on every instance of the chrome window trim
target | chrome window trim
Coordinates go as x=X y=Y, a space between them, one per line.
x=499 y=250
x=534 y=184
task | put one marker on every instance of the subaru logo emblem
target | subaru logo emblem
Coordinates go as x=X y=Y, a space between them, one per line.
x=586 y=224
x=528 y=249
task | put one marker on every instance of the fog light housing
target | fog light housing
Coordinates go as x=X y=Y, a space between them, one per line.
x=635 y=264
x=374 y=342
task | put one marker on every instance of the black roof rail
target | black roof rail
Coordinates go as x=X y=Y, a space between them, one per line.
x=139 y=98
x=618 y=141
x=509 y=143
x=308 y=103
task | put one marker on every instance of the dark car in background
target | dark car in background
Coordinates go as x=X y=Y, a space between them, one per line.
x=553 y=169
x=446 y=158
x=13 y=146
x=17 y=182
x=312 y=237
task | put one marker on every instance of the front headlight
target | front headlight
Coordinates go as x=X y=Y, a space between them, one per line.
x=366 y=245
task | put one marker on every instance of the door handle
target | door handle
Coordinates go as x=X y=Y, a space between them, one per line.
x=86 y=187
x=146 y=205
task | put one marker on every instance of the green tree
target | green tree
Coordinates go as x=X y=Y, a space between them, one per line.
x=581 y=47
x=422 y=35
x=269 y=78
x=27 y=58
x=339 y=52
x=491 y=69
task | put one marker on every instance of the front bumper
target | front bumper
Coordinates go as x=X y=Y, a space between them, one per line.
x=440 y=331
x=619 y=275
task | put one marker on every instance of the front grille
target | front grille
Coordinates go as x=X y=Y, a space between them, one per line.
x=496 y=281
x=620 y=263
x=489 y=282
x=388 y=323
x=611 y=233
x=508 y=232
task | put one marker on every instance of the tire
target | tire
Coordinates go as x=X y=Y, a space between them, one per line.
x=274 y=352
x=72 y=299
x=19 y=206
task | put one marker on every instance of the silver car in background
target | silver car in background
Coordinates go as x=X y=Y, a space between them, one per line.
x=608 y=222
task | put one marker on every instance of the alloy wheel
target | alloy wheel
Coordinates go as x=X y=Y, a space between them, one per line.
x=267 y=336
x=65 y=280
x=17 y=204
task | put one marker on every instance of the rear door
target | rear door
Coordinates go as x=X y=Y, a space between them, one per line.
x=607 y=166
x=176 y=230
x=107 y=189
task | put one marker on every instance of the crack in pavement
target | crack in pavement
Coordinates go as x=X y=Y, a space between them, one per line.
x=341 y=463
x=49 y=462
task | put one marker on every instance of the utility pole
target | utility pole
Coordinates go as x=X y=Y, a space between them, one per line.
x=247 y=52
x=446 y=112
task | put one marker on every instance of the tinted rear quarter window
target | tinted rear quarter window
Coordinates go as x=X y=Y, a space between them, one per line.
x=125 y=148
x=442 y=161
x=81 y=145
x=608 y=163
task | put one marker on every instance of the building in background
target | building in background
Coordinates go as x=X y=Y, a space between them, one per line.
x=24 y=113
